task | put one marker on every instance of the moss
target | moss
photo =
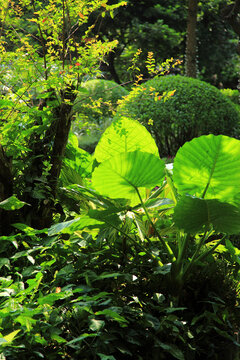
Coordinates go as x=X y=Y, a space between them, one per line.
x=195 y=109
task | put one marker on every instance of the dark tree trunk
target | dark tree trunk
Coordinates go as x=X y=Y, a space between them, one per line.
x=191 y=41
x=111 y=67
x=231 y=15
x=59 y=145
x=50 y=148
x=6 y=190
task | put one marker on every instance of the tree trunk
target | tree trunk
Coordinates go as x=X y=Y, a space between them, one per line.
x=111 y=67
x=6 y=190
x=51 y=149
x=191 y=44
x=231 y=15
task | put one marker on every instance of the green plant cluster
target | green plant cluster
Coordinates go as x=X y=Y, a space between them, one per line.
x=95 y=107
x=98 y=90
x=195 y=108
x=143 y=267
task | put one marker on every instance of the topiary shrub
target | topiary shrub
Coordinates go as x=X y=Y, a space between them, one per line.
x=195 y=108
x=94 y=108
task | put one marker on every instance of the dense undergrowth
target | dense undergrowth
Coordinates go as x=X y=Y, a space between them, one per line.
x=113 y=255
x=128 y=278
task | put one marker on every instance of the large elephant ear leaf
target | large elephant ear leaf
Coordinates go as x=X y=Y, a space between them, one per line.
x=124 y=135
x=208 y=167
x=195 y=215
x=121 y=175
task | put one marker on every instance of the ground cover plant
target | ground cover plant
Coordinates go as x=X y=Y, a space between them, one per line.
x=195 y=108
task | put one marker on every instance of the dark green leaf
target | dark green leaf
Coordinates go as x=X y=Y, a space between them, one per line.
x=194 y=215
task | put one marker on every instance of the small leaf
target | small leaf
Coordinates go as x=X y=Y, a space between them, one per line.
x=58 y=338
x=12 y=203
x=106 y=357
x=153 y=203
x=9 y=338
x=96 y=325
x=113 y=315
x=57 y=228
x=74 y=225
x=51 y=298
x=4 y=262
x=80 y=338
x=173 y=350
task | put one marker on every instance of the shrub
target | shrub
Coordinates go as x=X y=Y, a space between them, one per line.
x=100 y=100
x=95 y=108
x=196 y=108
x=233 y=95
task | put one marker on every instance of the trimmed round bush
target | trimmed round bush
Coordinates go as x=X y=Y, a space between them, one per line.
x=99 y=101
x=195 y=108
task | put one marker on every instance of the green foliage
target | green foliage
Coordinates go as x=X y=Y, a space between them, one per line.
x=233 y=95
x=194 y=109
x=111 y=277
x=127 y=278
x=40 y=80
x=100 y=100
x=95 y=107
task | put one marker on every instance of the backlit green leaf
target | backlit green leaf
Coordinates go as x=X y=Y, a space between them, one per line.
x=209 y=167
x=119 y=176
x=9 y=338
x=124 y=135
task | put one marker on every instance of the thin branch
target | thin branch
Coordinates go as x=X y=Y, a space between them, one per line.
x=42 y=43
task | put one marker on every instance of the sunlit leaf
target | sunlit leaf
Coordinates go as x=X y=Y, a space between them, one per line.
x=124 y=135
x=208 y=166
x=119 y=176
x=9 y=338
x=112 y=314
x=96 y=325
x=58 y=338
x=12 y=203
x=74 y=225
x=51 y=298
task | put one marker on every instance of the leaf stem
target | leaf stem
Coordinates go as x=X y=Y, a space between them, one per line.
x=210 y=251
x=137 y=244
x=164 y=243
x=199 y=246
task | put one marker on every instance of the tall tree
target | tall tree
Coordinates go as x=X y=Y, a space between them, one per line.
x=231 y=13
x=42 y=77
x=191 y=39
